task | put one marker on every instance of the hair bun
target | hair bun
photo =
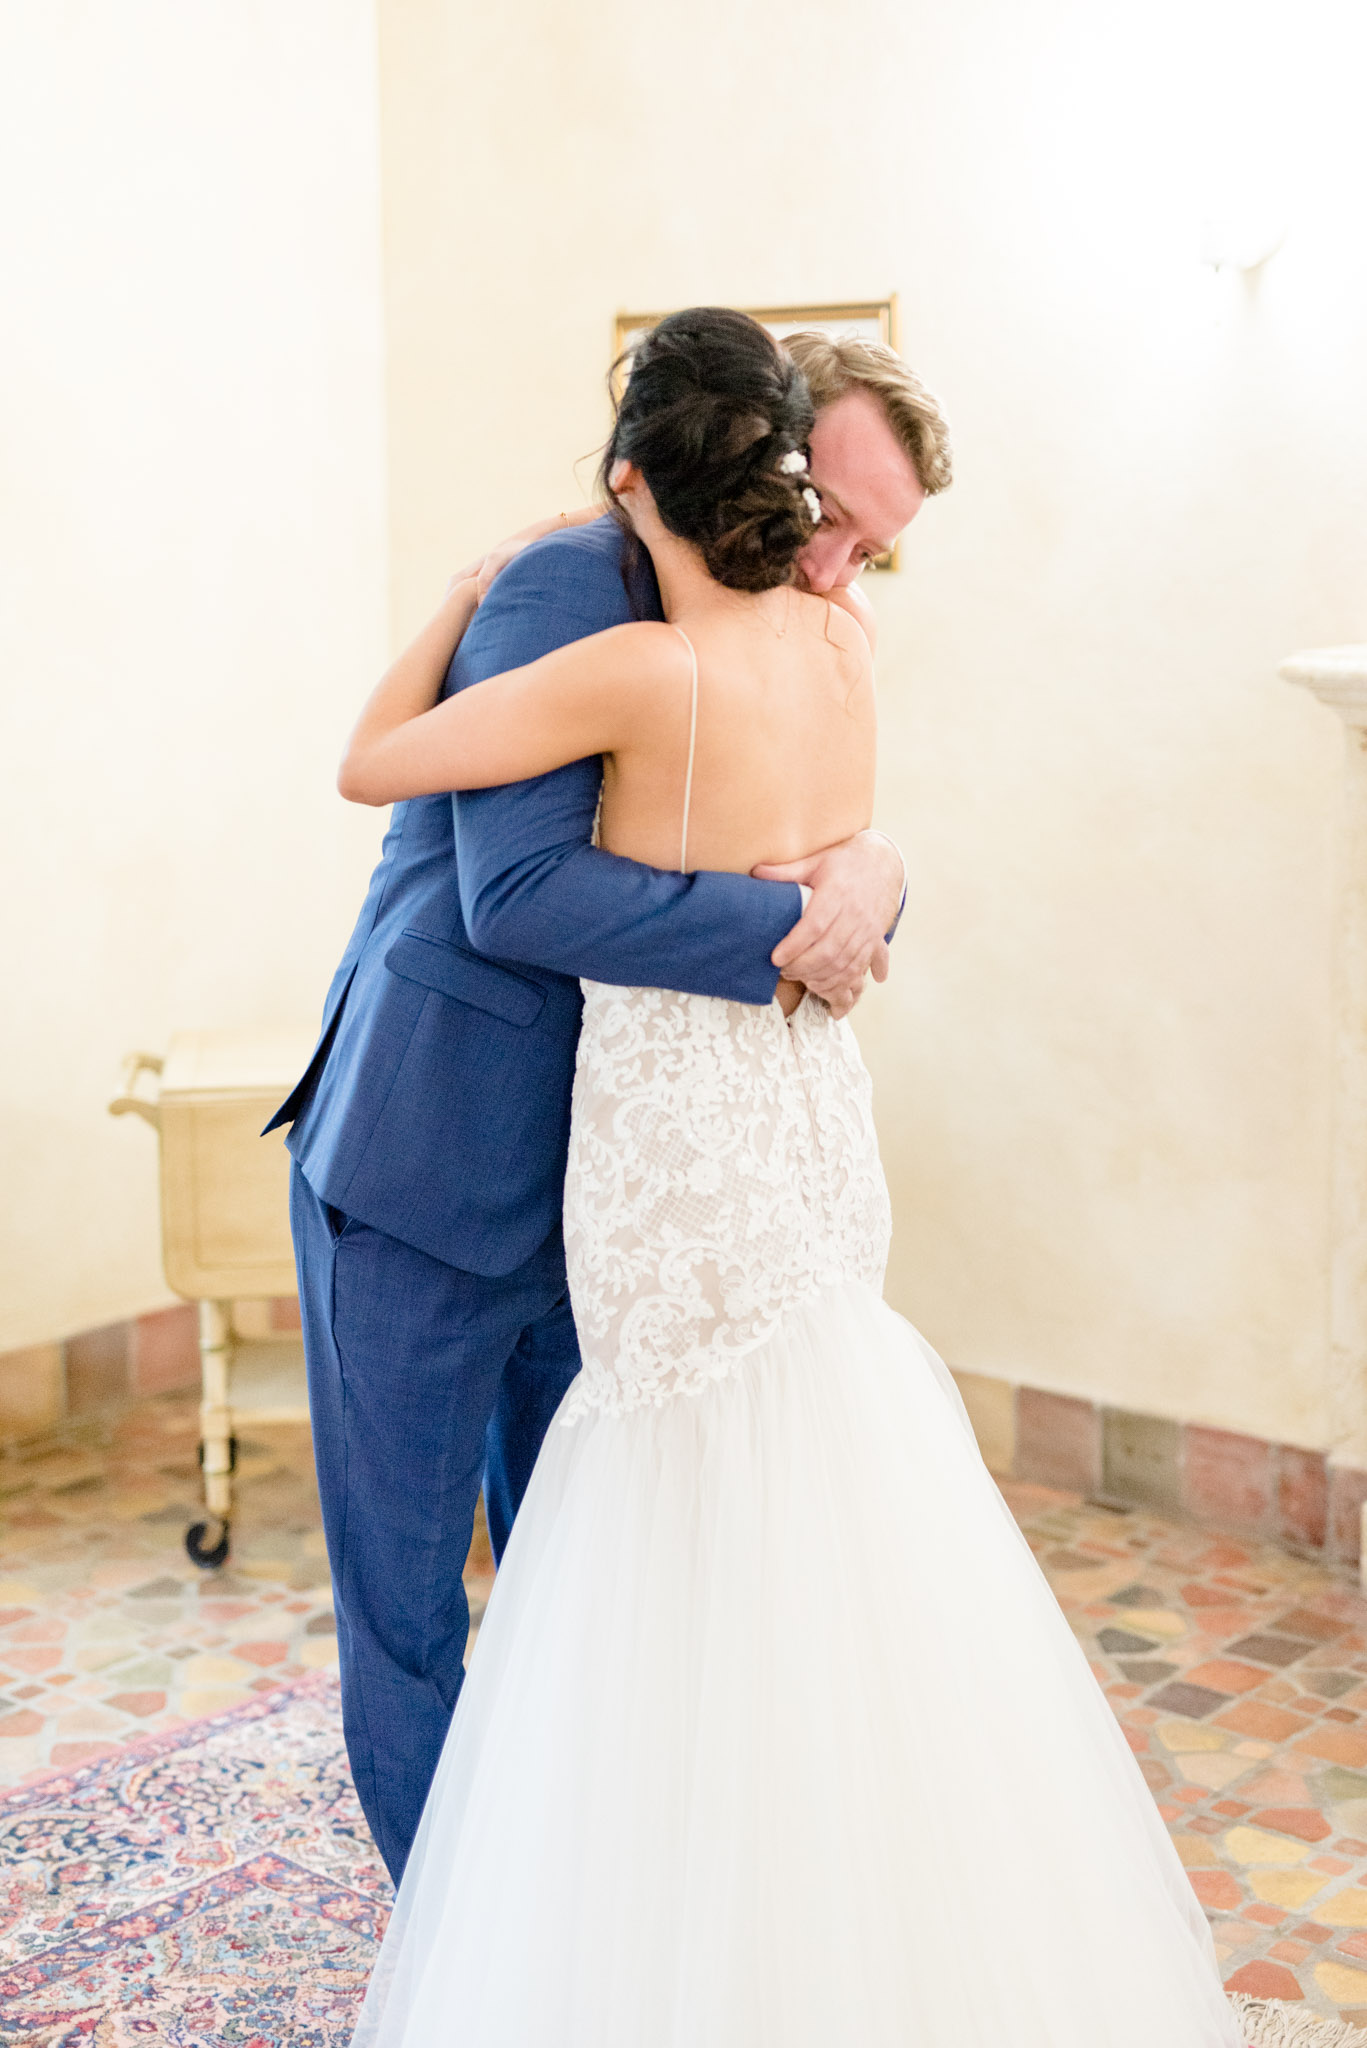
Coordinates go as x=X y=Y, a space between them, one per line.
x=760 y=535
x=711 y=408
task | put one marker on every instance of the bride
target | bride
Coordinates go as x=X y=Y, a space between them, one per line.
x=774 y=1736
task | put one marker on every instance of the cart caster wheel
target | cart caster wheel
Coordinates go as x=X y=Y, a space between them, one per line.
x=208 y=1560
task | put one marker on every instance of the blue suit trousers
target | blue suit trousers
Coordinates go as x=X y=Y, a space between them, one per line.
x=425 y=1382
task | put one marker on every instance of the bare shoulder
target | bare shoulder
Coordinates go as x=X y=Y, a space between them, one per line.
x=638 y=667
x=853 y=604
x=838 y=626
x=642 y=644
x=837 y=617
x=646 y=647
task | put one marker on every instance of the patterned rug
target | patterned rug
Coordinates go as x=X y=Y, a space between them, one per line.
x=216 y=1883
x=212 y=1884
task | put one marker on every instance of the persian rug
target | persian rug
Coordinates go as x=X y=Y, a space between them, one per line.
x=212 y=1884
x=1276 y=2025
x=217 y=1884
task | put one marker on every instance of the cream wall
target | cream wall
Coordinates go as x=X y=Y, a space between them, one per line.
x=193 y=531
x=1103 y=1062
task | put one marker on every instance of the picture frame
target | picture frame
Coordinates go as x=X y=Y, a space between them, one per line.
x=865 y=319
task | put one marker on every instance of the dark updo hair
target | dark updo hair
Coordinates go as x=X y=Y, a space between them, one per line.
x=711 y=407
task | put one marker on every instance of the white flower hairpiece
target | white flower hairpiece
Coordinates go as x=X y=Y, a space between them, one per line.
x=793 y=463
x=813 y=504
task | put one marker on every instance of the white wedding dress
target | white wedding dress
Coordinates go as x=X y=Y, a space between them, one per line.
x=774 y=1735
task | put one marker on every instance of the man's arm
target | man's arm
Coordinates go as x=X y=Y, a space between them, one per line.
x=533 y=887
x=842 y=891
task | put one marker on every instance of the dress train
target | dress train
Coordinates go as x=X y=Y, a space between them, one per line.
x=775 y=1737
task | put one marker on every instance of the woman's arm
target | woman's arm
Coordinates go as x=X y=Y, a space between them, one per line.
x=533 y=887
x=415 y=677
x=587 y=698
x=412 y=684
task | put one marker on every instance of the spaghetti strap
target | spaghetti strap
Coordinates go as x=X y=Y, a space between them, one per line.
x=692 y=742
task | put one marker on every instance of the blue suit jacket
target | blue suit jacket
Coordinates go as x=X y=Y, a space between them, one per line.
x=436 y=1105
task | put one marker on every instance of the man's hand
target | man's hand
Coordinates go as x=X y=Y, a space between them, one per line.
x=839 y=939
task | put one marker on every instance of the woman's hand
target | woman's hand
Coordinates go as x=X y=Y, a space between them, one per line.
x=483 y=569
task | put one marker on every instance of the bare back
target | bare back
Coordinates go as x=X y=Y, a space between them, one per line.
x=742 y=733
x=782 y=744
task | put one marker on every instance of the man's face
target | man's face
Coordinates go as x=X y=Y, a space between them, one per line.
x=868 y=488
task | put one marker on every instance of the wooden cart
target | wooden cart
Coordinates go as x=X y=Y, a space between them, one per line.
x=225 y=1232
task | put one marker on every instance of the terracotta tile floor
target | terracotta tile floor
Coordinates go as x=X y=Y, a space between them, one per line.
x=106 y=1628
x=1239 y=1673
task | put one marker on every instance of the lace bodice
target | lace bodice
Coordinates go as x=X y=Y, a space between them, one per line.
x=723 y=1168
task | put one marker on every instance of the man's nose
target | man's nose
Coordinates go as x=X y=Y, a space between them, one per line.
x=820 y=567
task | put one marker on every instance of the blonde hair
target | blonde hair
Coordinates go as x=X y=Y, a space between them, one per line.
x=835 y=368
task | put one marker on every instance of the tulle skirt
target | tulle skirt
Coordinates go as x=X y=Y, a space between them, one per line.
x=775 y=1737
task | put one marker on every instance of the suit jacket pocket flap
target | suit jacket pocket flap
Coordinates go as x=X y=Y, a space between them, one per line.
x=467 y=977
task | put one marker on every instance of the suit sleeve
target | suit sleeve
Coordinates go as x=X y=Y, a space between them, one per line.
x=533 y=887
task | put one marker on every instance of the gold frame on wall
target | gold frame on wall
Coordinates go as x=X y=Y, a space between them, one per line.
x=871 y=319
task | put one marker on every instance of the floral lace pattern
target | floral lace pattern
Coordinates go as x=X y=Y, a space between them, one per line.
x=723 y=1168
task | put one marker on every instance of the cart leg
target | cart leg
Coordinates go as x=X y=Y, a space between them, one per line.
x=215 y=1433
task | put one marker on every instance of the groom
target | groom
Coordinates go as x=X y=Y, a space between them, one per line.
x=430 y=1128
